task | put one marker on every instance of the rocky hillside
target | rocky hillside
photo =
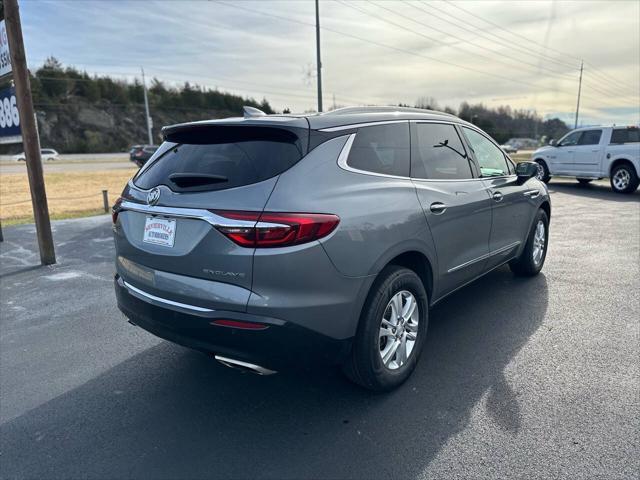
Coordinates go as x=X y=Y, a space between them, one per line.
x=79 y=113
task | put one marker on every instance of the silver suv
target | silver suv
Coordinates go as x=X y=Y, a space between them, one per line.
x=273 y=241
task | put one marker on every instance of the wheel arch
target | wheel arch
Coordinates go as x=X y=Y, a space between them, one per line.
x=546 y=206
x=621 y=161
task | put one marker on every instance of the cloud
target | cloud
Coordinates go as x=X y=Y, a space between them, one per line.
x=376 y=52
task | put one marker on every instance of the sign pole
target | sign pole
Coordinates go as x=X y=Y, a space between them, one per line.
x=30 y=138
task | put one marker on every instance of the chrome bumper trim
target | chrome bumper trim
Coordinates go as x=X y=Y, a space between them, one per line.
x=142 y=293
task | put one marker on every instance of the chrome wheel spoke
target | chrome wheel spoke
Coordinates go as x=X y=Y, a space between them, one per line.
x=398 y=330
x=409 y=307
x=386 y=332
x=391 y=352
x=411 y=327
x=402 y=351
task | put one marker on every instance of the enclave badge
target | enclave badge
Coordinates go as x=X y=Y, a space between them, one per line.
x=153 y=196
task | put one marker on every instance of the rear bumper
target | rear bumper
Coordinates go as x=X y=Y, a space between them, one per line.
x=280 y=346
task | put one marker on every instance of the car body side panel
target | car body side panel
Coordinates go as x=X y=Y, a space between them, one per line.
x=376 y=212
x=510 y=216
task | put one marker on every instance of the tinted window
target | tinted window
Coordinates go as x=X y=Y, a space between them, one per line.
x=222 y=157
x=490 y=157
x=382 y=149
x=590 y=137
x=570 y=140
x=625 y=135
x=438 y=153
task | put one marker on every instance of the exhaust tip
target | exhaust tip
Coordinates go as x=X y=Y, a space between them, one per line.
x=246 y=366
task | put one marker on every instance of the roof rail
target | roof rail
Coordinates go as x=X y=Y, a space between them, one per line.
x=250 y=112
x=382 y=108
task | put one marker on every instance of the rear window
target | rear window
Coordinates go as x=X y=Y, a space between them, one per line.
x=382 y=149
x=221 y=157
x=625 y=135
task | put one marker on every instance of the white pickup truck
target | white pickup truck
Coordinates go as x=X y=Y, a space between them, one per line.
x=592 y=153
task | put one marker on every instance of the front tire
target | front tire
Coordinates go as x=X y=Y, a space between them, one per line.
x=624 y=179
x=533 y=255
x=392 y=331
x=543 y=171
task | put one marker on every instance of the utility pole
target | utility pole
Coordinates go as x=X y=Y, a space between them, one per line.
x=146 y=108
x=579 y=90
x=29 y=129
x=318 y=61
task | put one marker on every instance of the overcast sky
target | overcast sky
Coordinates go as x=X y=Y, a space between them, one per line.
x=525 y=54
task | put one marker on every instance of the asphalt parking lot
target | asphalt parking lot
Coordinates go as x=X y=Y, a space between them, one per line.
x=520 y=378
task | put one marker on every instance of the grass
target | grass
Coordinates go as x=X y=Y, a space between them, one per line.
x=72 y=194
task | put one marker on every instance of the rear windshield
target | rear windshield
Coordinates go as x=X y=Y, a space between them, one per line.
x=625 y=135
x=221 y=157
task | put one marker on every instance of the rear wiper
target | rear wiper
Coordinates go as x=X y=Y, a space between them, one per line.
x=186 y=180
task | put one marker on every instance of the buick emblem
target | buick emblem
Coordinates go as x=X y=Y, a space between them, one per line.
x=153 y=196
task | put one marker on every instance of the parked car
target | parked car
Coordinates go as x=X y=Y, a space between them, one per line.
x=274 y=241
x=592 y=153
x=47 y=154
x=139 y=154
x=508 y=148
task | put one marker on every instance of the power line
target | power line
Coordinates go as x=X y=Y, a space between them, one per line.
x=379 y=44
x=603 y=76
x=500 y=27
x=519 y=61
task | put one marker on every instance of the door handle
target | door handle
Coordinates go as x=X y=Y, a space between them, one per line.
x=532 y=193
x=497 y=196
x=438 y=208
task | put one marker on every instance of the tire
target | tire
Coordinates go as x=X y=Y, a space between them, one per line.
x=584 y=181
x=365 y=365
x=543 y=171
x=624 y=179
x=532 y=259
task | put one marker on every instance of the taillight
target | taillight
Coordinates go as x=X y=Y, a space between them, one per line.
x=115 y=210
x=271 y=229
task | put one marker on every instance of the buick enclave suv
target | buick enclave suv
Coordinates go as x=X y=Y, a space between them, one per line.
x=273 y=241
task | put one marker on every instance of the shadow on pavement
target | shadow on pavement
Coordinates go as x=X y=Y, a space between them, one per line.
x=595 y=190
x=172 y=413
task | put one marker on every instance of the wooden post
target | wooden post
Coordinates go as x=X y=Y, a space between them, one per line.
x=105 y=200
x=29 y=129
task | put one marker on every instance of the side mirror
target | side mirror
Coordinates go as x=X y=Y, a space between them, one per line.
x=553 y=142
x=526 y=170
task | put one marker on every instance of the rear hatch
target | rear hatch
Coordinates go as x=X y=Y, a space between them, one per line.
x=182 y=208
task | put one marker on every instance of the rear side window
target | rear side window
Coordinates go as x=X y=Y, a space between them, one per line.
x=438 y=153
x=221 y=157
x=590 y=137
x=381 y=149
x=625 y=135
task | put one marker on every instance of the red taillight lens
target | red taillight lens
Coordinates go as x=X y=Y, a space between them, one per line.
x=115 y=210
x=271 y=229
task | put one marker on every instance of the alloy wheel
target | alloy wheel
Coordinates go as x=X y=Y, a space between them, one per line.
x=621 y=179
x=398 y=330
x=539 y=240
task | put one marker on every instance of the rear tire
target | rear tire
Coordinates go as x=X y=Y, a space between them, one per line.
x=533 y=255
x=543 y=171
x=584 y=181
x=624 y=179
x=374 y=363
